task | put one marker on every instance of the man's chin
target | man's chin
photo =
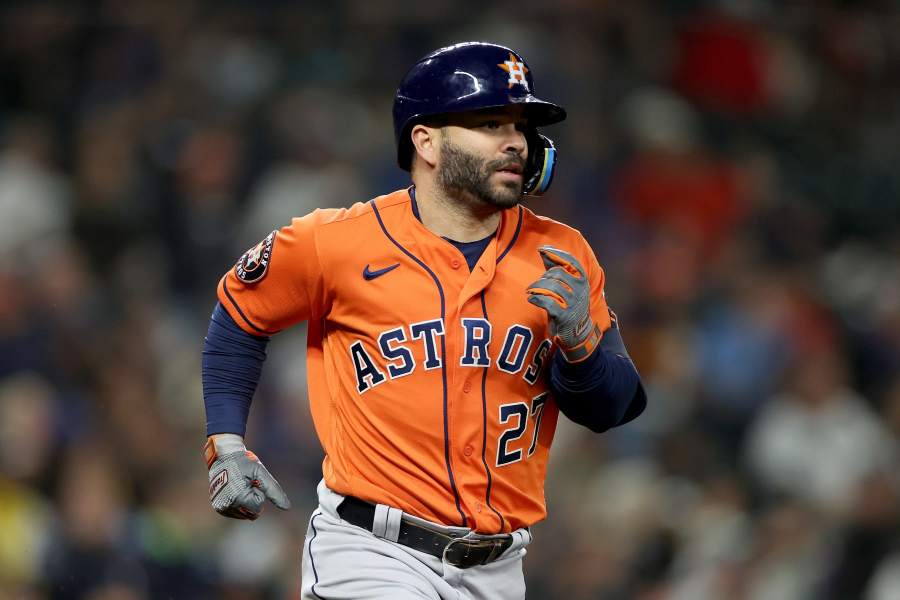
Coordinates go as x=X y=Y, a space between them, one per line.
x=506 y=201
x=506 y=195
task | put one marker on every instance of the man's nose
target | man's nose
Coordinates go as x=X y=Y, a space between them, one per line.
x=514 y=141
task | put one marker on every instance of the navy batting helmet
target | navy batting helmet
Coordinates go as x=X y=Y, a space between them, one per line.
x=473 y=76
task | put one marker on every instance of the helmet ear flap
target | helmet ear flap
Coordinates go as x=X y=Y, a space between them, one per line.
x=541 y=164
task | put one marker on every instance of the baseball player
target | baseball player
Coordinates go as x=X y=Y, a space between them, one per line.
x=448 y=328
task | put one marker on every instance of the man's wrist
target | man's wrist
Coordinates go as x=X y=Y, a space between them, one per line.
x=584 y=348
x=220 y=444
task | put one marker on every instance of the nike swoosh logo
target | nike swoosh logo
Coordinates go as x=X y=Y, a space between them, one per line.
x=370 y=275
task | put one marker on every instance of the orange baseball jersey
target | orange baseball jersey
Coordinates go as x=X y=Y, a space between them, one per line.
x=427 y=382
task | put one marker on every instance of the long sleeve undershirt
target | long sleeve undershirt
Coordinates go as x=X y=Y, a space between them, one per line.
x=602 y=391
x=232 y=364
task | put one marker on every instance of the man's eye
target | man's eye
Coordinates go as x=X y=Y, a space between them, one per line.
x=491 y=124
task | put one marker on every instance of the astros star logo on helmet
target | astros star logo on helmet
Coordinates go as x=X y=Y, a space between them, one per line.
x=516 y=70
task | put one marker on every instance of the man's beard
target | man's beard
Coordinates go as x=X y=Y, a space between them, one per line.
x=463 y=172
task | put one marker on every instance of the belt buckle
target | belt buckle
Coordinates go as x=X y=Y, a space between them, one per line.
x=470 y=544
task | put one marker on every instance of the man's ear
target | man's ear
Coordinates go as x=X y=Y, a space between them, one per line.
x=426 y=141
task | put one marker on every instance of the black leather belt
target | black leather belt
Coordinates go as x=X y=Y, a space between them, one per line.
x=457 y=551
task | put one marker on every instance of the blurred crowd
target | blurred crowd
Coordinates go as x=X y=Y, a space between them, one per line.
x=734 y=165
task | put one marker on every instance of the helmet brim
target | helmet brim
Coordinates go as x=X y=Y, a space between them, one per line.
x=541 y=113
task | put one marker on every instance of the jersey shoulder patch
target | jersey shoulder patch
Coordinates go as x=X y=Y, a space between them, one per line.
x=252 y=266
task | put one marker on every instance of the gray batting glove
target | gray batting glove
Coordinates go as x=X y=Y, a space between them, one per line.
x=565 y=293
x=238 y=482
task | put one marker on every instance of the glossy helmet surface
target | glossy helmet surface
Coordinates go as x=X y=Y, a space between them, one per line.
x=474 y=76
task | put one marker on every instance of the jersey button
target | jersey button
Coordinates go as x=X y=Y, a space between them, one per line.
x=467 y=450
x=467 y=386
x=454 y=263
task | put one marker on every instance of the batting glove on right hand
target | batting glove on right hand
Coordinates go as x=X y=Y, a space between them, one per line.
x=238 y=482
x=564 y=292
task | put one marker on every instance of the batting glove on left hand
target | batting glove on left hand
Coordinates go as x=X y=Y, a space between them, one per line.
x=238 y=482
x=564 y=292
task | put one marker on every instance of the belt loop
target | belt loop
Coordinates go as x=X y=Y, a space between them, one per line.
x=379 y=523
x=386 y=522
x=392 y=524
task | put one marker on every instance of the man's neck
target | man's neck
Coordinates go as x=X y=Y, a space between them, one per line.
x=462 y=220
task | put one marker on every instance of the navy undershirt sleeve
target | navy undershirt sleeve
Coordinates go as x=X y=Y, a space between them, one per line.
x=232 y=365
x=601 y=392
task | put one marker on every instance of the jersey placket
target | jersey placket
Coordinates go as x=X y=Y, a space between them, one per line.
x=455 y=279
x=468 y=420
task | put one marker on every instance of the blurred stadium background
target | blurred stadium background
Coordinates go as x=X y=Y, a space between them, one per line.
x=735 y=165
